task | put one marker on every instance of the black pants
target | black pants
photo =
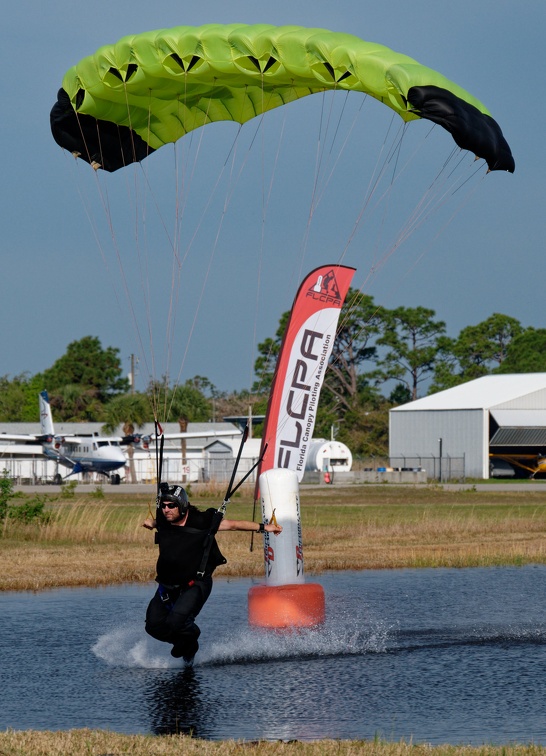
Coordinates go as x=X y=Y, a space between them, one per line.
x=173 y=621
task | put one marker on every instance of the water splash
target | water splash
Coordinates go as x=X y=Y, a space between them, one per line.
x=342 y=634
x=128 y=646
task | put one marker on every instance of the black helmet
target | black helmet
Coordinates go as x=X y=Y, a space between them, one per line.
x=176 y=495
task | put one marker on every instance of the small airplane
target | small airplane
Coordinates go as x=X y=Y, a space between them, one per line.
x=531 y=463
x=90 y=454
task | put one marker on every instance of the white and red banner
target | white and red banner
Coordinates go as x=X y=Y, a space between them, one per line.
x=301 y=365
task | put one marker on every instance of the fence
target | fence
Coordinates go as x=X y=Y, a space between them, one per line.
x=38 y=470
x=208 y=469
x=443 y=469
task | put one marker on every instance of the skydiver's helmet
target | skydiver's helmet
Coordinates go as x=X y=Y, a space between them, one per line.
x=174 y=495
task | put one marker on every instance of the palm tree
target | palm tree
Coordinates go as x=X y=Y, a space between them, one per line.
x=129 y=410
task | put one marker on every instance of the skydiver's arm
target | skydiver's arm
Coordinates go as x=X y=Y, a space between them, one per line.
x=248 y=525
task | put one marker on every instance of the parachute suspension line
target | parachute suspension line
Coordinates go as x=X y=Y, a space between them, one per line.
x=314 y=191
x=344 y=144
x=342 y=149
x=103 y=195
x=433 y=199
x=373 y=185
x=218 y=516
x=411 y=224
x=477 y=170
x=208 y=270
x=399 y=282
x=130 y=121
x=103 y=198
x=154 y=392
x=179 y=259
x=227 y=200
x=323 y=139
x=159 y=394
x=440 y=232
x=448 y=193
x=318 y=193
x=86 y=206
x=265 y=207
x=181 y=194
x=233 y=181
x=142 y=192
x=105 y=201
x=392 y=157
x=266 y=199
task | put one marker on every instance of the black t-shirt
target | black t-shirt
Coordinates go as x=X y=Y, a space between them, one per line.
x=181 y=548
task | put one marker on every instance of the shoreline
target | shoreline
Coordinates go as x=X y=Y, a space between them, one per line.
x=102 y=742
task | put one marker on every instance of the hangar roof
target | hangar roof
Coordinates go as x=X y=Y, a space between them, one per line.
x=510 y=391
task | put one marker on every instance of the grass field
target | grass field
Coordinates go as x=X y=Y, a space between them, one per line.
x=93 y=541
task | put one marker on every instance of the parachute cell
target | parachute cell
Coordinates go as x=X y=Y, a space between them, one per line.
x=128 y=99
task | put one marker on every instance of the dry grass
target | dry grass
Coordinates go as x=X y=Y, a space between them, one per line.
x=99 y=743
x=89 y=542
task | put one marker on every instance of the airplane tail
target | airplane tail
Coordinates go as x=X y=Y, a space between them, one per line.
x=46 y=418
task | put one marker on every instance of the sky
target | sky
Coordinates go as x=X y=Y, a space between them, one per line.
x=71 y=269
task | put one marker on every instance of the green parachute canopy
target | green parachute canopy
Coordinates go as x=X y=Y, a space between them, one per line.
x=128 y=99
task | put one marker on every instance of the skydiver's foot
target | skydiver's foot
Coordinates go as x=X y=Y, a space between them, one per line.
x=191 y=649
x=186 y=649
x=178 y=650
x=187 y=645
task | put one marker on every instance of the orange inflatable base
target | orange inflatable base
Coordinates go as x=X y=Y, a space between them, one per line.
x=284 y=606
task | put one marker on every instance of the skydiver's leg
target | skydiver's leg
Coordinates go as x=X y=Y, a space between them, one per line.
x=157 y=614
x=181 y=620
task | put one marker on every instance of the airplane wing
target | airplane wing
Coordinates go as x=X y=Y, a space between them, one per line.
x=135 y=438
x=146 y=440
x=28 y=438
x=34 y=438
x=20 y=437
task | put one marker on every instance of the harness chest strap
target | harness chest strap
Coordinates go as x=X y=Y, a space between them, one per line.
x=209 y=540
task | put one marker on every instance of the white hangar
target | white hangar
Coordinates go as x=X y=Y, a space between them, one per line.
x=495 y=423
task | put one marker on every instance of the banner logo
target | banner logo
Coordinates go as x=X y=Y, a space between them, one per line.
x=325 y=289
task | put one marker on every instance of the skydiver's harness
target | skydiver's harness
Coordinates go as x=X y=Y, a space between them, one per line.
x=169 y=593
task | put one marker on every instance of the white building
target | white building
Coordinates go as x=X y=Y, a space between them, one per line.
x=485 y=423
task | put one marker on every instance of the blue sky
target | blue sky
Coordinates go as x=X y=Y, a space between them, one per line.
x=61 y=279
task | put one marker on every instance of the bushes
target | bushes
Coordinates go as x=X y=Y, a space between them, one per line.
x=32 y=508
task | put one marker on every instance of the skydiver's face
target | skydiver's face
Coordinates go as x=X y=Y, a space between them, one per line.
x=172 y=513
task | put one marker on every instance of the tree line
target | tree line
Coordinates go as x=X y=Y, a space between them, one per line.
x=381 y=358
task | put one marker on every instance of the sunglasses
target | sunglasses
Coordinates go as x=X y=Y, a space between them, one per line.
x=168 y=505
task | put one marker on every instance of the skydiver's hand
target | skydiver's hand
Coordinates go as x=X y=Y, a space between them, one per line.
x=273 y=527
x=149 y=523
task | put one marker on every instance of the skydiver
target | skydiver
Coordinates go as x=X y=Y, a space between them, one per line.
x=181 y=535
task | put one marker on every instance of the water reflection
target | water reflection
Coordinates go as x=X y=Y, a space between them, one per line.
x=175 y=704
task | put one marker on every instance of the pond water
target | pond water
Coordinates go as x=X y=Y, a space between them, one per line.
x=436 y=655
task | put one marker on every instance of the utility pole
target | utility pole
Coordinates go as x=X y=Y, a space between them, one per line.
x=183 y=425
x=132 y=374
